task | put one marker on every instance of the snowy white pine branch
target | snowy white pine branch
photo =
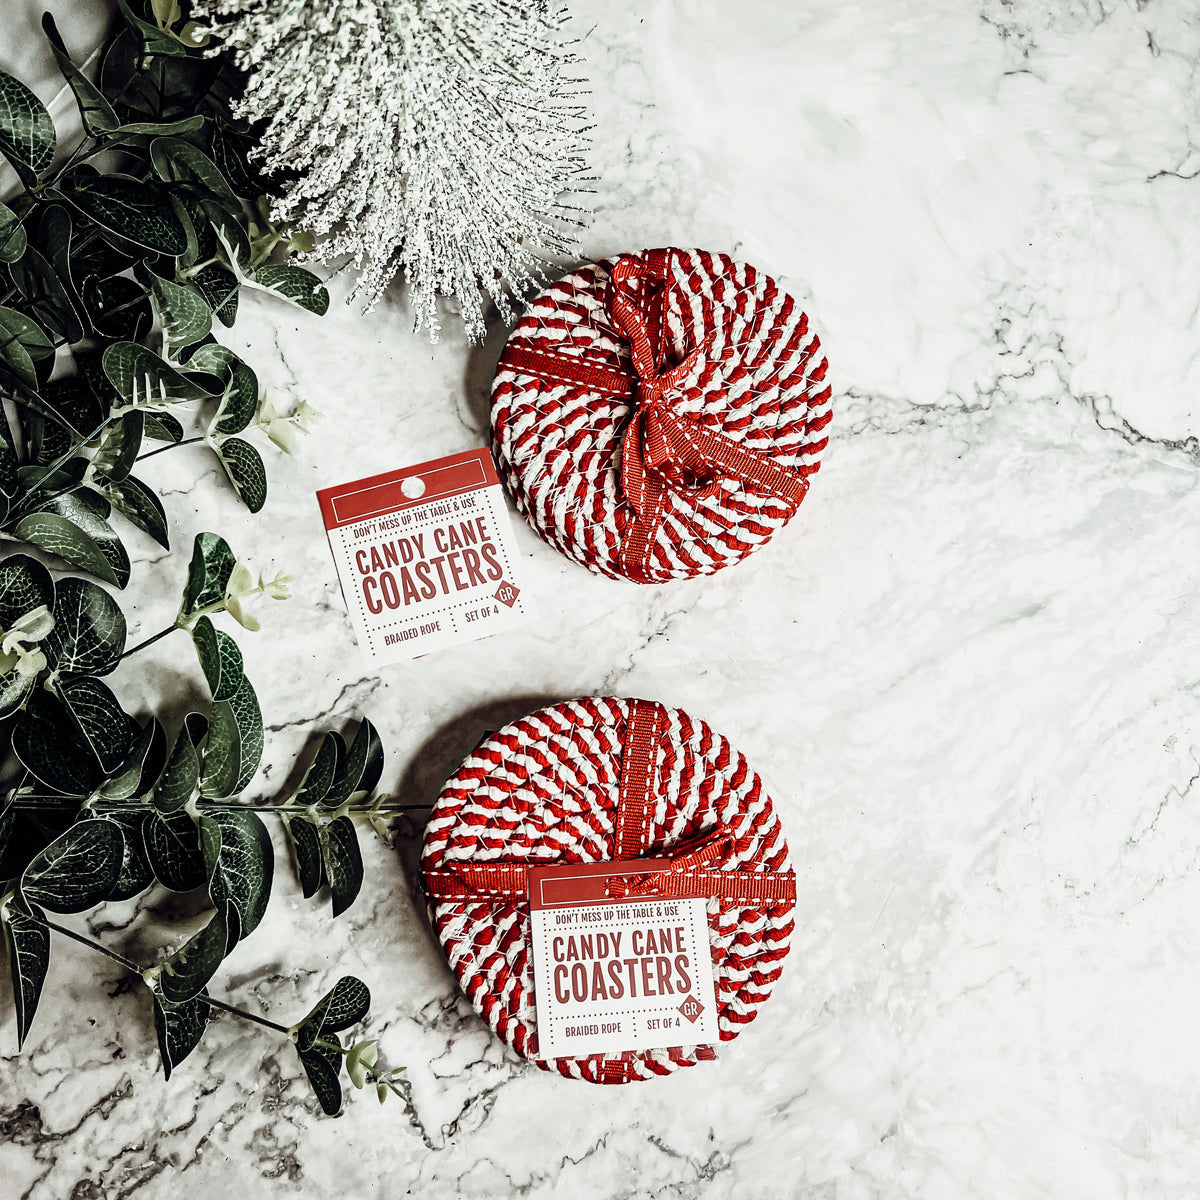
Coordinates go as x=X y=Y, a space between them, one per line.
x=433 y=137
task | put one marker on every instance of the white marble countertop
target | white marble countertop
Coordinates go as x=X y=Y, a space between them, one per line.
x=969 y=670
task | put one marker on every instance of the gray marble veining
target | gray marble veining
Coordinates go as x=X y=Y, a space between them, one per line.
x=969 y=670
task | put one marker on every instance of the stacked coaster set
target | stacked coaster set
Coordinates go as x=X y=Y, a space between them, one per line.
x=654 y=418
x=607 y=780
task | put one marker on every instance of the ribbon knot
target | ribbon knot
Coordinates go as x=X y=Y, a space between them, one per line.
x=669 y=882
x=663 y=451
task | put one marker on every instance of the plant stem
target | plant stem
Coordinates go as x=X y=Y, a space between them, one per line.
x=91 y=945
x=249 y=1016
x=169 y=446
x=132 y=966
x=162 y=633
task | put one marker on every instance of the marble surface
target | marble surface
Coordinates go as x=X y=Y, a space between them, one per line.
x=969 y=669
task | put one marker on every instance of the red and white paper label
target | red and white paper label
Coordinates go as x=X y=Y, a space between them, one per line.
x=425 y=556
x=614 y=975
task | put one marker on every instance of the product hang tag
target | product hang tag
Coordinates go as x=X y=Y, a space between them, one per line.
x=425 y=556
x=614 y=975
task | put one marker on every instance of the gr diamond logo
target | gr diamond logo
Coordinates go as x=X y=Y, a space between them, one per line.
x=507 y=593
x=691 y=1008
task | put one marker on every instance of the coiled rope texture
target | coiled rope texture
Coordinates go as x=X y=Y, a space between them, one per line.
x=545 y=789
x=757 y=381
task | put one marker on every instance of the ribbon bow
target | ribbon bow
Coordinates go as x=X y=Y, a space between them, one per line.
x=662 y=451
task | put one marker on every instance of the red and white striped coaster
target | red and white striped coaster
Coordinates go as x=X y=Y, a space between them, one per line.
x=660 y=416
x=601 y=780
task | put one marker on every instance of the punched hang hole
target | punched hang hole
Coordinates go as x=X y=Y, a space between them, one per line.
x=413 y=487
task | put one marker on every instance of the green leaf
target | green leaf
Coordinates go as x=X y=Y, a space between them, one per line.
x=119 y=308
x=14 y=689
x=305 y=842
x=84 y=540
x=359 y=770
x=12 y=235
x=22 y=344
x=77 y=870
x=213 y=359
x=88 y=637
x=295 y=285
x=184 y=315
x=141 y=377
x=361 y=1057
x=55 y=235
x=98 y=115
x=24 y=585
x=156 y=40
x=173 y=850
x=163 y=128
x=132 y=210
x=179 y=1028
x=181 y=777
x=220 y=659
x=347 y=1002
x=239 y=402
x=244 y=466
x=220 y=289
x=136 y=873
x=48 y=298
x=248 y=714
x=222 y=754
x=179 y=162
x=10 y=469
x=231 y=236
x=343 y=862
x=230 y=152
x=105 y=725
x=314 y=787
x=146 y=756
x=235 y=743
x=28 y=943
x=163 y=427
x=139 y=505
x=240 y=862
x=212 y=564
x=24 y=834
x=27 y=137
x=72 y=401
x=15 y=361
x=49 y=744
x=187 y=972
x=322 y=1067
x=119 y=449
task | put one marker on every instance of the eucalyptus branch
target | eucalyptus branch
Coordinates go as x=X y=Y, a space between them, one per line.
x=78 y=827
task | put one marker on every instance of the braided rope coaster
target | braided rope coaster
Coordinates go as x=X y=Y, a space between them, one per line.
x=607 y=780
x=660 y=416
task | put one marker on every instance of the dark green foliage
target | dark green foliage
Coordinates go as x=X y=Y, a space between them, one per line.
x=119 y=274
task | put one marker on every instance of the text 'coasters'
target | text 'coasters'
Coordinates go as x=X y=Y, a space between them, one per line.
x=425 y=556
x=617 y=974
x=624 y=801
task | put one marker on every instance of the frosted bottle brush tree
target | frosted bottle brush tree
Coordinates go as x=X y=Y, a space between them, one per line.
x=120 y=257
x=438 y=138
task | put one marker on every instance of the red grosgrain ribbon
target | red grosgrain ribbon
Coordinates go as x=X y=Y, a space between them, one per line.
x=501 y=882
x=661 y=450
